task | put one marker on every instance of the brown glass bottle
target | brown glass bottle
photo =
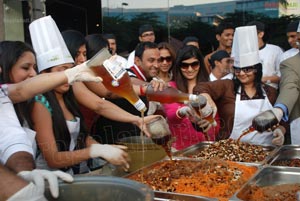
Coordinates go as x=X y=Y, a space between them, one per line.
x=115 y=78
x=204 y=110
x=169 y=95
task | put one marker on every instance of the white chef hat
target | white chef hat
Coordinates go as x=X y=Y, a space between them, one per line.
x=298 y=30
x=48 y=44
x=245 y=47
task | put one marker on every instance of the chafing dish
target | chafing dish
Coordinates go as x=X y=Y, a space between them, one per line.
x=194 y=150
x=286 y=156
x=270 y=176
x=158 y=174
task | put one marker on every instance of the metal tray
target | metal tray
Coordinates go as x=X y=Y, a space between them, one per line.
x=269 y=176
x=194 y=149
x=286 y=152
x=102 y=188
x=170 y=196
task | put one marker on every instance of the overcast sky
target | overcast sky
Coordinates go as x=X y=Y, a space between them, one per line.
x=154 y=3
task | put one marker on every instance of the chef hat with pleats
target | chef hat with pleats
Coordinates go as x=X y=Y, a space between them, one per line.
x=48 y=44
x=245 y=47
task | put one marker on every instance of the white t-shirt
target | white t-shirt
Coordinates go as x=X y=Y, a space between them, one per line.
x=213 y=78
x=289 y=53
x=13 y=137
x=270 y=58
x=130 y=60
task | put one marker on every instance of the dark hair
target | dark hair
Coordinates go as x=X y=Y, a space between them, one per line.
x=257 y=81
x=141 y=47
x=185 y=53
x=109 y=36
x=223 y=26
x=10 y=53
x=190 y=39
x=94 y=43
x=169 y=47
x=292 y=26
x=260 y=27
x=144 y=28
x=74 y=40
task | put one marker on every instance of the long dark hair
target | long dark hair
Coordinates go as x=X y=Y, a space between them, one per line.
x=74 y=40
x=60 y=128
x=185 y=53
x=10 y=53
x=94 y=43
x=257 y=80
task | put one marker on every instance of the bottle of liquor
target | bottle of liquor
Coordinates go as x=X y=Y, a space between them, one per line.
x=115 y=77
x=204 y=110
x=169 y=95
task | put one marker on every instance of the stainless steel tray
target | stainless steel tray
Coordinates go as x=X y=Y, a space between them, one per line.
x=170 y=196
x=286 y=152
x=269 y=176
x=194 y=149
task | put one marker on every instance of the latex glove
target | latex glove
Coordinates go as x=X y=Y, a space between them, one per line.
x=38 y=177
x=153 y=106
x=278 y=113
x=81 y=73
x=30 y=192
x=278 y=139
x=184 y=111
x=204 y=125
x=114 y=154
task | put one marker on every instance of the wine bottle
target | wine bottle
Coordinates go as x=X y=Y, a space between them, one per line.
x=115 y=77
x=169 y=95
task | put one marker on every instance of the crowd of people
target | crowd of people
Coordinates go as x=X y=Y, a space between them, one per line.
x=56 y=116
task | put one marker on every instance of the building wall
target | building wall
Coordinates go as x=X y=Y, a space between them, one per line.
x=13 y=20
x=1 y=21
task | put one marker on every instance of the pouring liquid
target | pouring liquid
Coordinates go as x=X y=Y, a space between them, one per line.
x=143 y=146
x=165 y=143
x=245 y=132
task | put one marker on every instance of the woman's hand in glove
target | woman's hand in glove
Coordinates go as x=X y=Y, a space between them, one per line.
x=278 y=135
x=81 y=73
x=114 y=154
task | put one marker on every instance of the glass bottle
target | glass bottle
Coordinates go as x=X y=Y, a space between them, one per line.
x=115 y=77
x=169 y=95
x=204 y=110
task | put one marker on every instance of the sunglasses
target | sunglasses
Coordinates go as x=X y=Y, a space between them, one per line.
x=248 y=69
x=185 y=66
x=167 y=59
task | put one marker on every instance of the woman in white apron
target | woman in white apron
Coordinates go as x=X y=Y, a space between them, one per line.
x=239 y=101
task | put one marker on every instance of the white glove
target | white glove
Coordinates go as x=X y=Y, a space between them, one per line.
x=114 y=154
x=204 y=125
x=153 y=106
x=81 y=73
x=184 y=111
x=30 y=192
x=38 y=177
x=278 y=113
x=278 y=139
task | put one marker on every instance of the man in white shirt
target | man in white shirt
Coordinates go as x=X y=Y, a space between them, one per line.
x=146 y=34
x=291 y=33
x=221 y=64
x=269 y=55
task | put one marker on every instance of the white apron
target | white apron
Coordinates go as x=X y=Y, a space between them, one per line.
x=245 y=111
x=74 y=129
x=295 y=131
